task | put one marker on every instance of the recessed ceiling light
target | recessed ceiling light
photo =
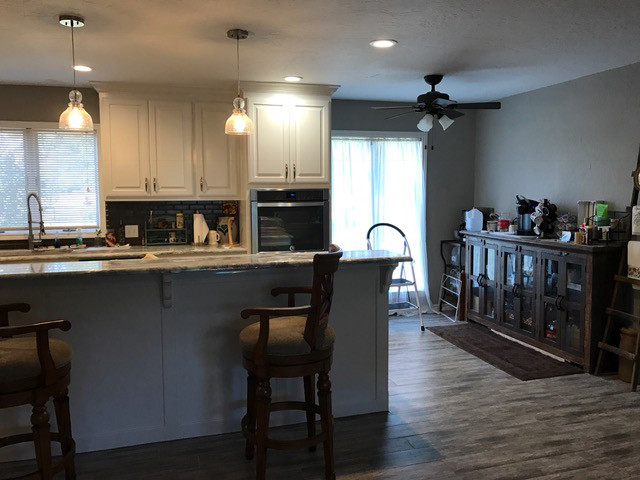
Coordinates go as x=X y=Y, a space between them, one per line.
x=82 y=68
x=292 y=78
x=383 y=43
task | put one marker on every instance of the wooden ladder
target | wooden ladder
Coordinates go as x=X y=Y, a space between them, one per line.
x=621 y=279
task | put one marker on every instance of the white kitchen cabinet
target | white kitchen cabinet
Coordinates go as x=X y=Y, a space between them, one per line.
x=269 y=144
x=215 y=153
x=125 y=147
x=310 y=140
x=170 y=146
x=291 y=139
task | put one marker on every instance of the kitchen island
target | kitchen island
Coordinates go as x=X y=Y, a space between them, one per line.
x=156 y=353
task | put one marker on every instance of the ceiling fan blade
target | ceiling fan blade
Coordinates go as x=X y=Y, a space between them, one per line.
x=398 y=115
x=442 y=102
x=452 y=114
x=476 y=106
x=394 y=107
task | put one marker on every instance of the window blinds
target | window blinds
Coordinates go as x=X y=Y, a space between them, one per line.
x=60 y=166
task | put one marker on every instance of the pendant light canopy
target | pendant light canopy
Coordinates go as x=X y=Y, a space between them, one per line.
x=238 y=123
x=75 y=117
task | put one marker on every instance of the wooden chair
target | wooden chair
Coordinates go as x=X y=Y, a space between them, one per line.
x=291 y=342
x=32 y=370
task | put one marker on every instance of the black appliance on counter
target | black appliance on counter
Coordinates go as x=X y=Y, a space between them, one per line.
x=525 y=208
x=289 y=220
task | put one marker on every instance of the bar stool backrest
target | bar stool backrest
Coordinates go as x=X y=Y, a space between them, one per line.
x=325 y=266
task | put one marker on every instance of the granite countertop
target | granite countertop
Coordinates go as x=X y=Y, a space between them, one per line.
x=194 y=262
x=101 y=253
x=546 y=243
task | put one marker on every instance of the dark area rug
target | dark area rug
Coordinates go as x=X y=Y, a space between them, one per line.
x=515 y=359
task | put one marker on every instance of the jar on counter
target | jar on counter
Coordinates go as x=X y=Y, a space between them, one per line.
x=172 y=237
x=179 y=220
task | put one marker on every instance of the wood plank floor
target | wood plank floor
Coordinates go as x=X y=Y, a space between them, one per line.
x=451 y=416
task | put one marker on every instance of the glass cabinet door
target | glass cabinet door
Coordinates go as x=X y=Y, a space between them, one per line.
x=572 y=304
x=490 y=280
x=475 y=262
x=551 y=269
x=574 y=279
x=525 y=291
x=508 y=282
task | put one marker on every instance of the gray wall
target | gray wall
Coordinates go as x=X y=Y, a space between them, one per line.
x=25 y=103
x=572 y=141
x=450 y=166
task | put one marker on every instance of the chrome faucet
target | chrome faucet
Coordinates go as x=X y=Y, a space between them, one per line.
x=42 y=232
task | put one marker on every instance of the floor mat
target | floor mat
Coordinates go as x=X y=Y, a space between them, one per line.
x=515 y=359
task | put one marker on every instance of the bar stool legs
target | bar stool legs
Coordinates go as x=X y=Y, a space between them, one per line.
x=42 y=439
x=326 y=416
x=310 y=400
x=63 y=417
x=252 y=385
x=263 y=404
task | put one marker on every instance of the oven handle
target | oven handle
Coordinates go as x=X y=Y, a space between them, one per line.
x=292 y=204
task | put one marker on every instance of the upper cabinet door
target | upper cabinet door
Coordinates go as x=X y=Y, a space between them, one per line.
x=170 y=129
x=310 y=141
x=125 y=147
x=215 y=152
x=269 y=144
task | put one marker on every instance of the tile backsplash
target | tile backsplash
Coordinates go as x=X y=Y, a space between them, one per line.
x=137 y=213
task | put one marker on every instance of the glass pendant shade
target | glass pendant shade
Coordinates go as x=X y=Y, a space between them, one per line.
x=426 y=123
x=445 y=121
x=75 y=117
x=238 y=123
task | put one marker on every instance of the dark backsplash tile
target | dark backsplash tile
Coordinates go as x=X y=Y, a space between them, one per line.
x=137 y=213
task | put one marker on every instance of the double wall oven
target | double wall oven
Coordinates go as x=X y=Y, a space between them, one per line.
x=289 y=220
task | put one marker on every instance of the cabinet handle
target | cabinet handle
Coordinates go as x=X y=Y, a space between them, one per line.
x=514 y=290
x=294 y=171
x=560 y=306
x=202 y=184
x=286 y=172
x=146 y=184
x=155 y=185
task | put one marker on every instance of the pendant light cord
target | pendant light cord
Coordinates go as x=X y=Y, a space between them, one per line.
x=73 y=54
x=238 y=60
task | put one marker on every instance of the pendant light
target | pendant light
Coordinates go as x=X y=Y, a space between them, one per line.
x=75 y=117
x=238 y=123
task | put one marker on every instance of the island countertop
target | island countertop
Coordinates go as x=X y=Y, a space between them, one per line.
x=193 y=262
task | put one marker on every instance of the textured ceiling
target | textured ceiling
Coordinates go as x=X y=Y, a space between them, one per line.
x=487 y=49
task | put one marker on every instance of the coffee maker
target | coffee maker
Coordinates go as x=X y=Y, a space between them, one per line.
x=525 y=208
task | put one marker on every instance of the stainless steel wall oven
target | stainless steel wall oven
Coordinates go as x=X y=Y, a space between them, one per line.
x=289 y=220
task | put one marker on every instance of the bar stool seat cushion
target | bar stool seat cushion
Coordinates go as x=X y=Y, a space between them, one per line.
x=19 y=360
x=286 y=337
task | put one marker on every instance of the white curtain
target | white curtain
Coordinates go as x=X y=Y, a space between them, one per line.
x=380 y=179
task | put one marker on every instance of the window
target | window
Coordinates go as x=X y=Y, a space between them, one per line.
x=379 y=179
x=60 y=166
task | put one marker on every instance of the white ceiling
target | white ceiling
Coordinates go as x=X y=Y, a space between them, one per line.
x=487 y=49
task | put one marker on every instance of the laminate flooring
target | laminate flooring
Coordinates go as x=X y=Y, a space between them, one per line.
x=452 y=416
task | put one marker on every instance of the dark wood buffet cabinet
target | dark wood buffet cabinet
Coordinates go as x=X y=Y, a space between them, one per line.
x=548 y=294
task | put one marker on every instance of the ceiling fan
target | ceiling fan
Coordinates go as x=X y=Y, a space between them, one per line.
x=437 y=105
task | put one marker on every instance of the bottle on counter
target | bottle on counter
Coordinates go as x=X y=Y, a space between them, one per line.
x=56 y=242
x=179 y=220
x=79 y=240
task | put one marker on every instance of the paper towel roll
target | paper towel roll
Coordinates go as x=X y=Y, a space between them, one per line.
x=200 y=229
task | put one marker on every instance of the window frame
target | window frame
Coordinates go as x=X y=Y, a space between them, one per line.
x=52 y=233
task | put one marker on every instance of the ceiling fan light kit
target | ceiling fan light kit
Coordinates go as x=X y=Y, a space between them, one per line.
x=239 y=122
x=75 y=117
x=438 y=105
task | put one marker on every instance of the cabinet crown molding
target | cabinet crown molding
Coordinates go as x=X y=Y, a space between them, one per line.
x=215 y=93
x=279 y=87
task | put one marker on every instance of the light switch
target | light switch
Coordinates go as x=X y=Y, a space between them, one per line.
x=131 y=231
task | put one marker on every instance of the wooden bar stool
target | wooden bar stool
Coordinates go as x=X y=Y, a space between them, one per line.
x=291 y=342
x=32 y=370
